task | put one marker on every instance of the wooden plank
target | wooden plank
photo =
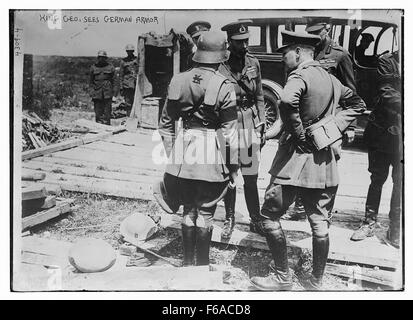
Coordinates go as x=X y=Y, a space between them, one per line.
x=51 y=189
x=114 y=188
x=60 y=172
x=43 y=260
x=44 y=162
x=149 y=278
x=103 y=158
x=34 y=192
x=370 y=253
x=33 y=140
x=71 y=143
x=32 y=176
x=50 y=247
x=92 y=125
x=43 y=216
x=382 y=277
x=33 y=206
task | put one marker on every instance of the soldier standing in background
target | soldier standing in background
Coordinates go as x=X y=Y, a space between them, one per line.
x=309 y=96
x=383 y=137
x=244 y=71
x=128 y=75
x=195 y=29
x=337 y=61
x=203 y=156
x=102 y=76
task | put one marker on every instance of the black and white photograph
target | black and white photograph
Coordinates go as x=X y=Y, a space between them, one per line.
x=207 y=150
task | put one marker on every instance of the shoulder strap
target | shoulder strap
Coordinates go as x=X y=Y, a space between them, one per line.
x=213 y=87
x=329 y=104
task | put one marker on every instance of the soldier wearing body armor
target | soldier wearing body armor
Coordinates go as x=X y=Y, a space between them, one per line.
x=303 y=165
x=337 y=61
x=243 y=70
x=203 y=155
x=383 y=137
x=128 y=75
x=102 y=76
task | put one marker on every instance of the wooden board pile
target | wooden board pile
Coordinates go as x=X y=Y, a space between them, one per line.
x=38 y=204
x=37 y=133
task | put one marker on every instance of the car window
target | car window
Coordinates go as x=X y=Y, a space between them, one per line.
x=255 y=36
x=281 y=27
x=346 y=39
x=387 y=43
x=335 y=34
x=300 y=27
x=374 y=31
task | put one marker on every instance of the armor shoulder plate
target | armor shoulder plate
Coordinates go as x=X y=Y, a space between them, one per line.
x=212 y=90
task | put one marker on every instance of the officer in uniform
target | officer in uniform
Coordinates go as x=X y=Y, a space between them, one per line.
x=102 y=75
x=336 y=61
x=195 y=29
x=203 y=156
x=243 y=70
x=128 y=75
x=309 y=94
x=383 y=138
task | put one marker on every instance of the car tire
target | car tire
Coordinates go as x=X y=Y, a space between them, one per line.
x=273 y=121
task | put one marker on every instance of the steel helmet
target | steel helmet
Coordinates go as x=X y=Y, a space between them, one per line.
x=211 y=48
x=138 y=227
x=102 y=53
x=92 y=255
x=130 y=47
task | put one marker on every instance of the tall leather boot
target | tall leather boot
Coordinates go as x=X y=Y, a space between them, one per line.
x=203 y=241
x=321 y=247
x=229 y=201
x=281 y=279
x=253 y=203
x=188 y=244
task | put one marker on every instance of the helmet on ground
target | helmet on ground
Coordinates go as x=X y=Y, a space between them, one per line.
x=102 y=53
x=211 y=48
x=130 y=47
x=92 y=255
x=138 y=227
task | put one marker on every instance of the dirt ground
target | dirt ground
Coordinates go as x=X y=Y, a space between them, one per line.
x=100 y=216
x=97 y=216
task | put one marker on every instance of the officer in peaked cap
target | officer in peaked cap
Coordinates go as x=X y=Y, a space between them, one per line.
x=199 y=168
x=196 y=28
x=128 y=75
x=244 y=71
x=336 y=61
x=334 y=58
x=102 y=75
x=298 y=167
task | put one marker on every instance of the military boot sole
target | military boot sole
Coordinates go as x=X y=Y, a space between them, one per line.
x=279 y=287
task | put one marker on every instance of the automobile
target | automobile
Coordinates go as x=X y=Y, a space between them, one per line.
x=265 y=38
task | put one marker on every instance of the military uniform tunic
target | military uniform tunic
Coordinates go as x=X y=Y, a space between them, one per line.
x=128 y=72
x=250 y=106
x=101 y=82
x=383 y=137
x=337 y=61
x=305 y=96
x=205 y=100
x=102 y=79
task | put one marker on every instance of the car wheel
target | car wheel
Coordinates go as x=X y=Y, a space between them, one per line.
x=272 y=113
